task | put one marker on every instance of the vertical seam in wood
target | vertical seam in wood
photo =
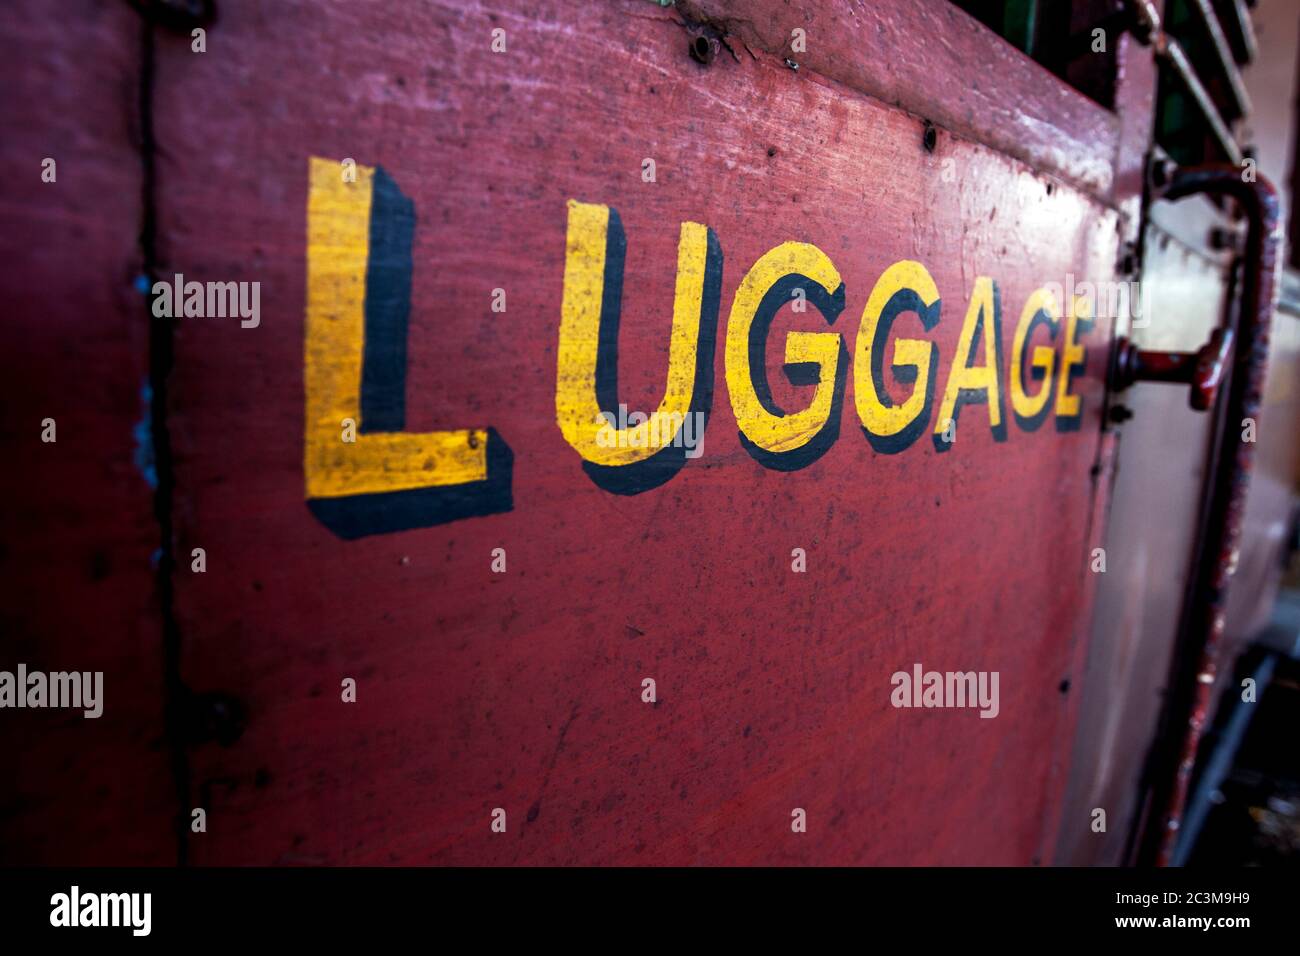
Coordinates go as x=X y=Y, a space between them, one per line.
x=161 y=355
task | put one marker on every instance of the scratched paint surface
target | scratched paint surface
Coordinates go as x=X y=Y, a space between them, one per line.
x=521 y=690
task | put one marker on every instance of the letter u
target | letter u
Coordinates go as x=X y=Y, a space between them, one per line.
x=587 y=361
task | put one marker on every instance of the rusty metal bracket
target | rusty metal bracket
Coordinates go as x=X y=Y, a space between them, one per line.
x=1203 y=369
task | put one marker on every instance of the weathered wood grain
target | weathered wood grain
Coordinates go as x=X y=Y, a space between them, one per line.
x=934 y=60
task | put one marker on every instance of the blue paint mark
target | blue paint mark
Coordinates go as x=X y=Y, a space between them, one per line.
x=142 y=284
x=143 y=432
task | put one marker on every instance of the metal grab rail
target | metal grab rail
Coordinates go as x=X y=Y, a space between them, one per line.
x=1246 y=336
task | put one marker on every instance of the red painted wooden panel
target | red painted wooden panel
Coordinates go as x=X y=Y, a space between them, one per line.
x=522 y=690
x=77 y=531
